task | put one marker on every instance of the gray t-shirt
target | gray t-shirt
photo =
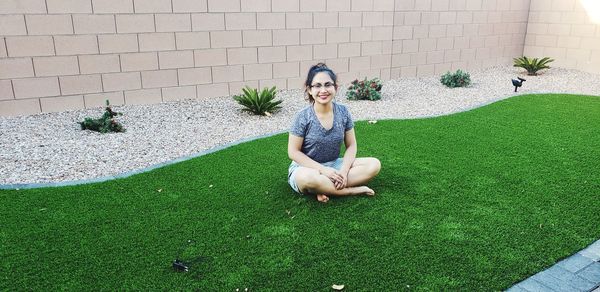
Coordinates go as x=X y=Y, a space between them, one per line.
x=319 y=144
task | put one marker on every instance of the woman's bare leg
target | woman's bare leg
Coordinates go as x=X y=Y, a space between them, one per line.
x=363 y=170
x=310 y=181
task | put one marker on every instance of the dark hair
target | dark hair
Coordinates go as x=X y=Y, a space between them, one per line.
x=320 y=67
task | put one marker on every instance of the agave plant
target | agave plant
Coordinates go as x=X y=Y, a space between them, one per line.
x=532 y=65
x=258 y=103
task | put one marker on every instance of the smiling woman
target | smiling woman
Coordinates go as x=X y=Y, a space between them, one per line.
x=315 y=140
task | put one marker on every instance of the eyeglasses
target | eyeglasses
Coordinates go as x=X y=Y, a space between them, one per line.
x=318 y=86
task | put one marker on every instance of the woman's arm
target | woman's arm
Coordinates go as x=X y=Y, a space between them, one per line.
x=349 y=155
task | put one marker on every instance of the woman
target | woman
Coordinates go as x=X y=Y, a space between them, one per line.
x=315 y=140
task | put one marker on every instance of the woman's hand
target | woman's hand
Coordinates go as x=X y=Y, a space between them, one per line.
x=344 y=181
x=333 y=175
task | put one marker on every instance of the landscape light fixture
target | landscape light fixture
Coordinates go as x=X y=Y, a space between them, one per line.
x=518 y=82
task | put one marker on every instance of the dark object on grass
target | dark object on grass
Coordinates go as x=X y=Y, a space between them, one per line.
x=179 y=266
x=104 y=124
x=518 y=83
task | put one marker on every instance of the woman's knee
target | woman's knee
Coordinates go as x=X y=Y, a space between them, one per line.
x=307 y=179
x=374 y=166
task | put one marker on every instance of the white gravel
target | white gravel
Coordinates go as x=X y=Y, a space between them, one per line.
x=50 y=147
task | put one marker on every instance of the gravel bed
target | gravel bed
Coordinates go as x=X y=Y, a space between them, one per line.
x=50 y=147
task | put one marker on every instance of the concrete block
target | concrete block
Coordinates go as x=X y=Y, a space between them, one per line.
x=139 y=62
x=240 y=21
x=36 y=87
x=49 y=24
x=79 y=84
x=362 y=5
x=328 y=51
x=173 y=22
x=178 y=93
x=3 y=52
x=270 y=20
x=94 y=24
x=99 y=99
x=255 y=38
x=286 y=70
x=338 y=35
x=152 y=6
x=29 y=46
x=16 y=68
x=285 y=6
x=271 y=54
x=338 y=5
x=258 y=71
x=76 y=45
x=575 y=263
x=350 y=19
x=90 y=64
x=112 y=6
x=280 y=84
x=192 y=40
x=159 y=78
x=325 y=19
x=360 y=34
x=143 y=96
x=21 y=107
x=212 y=90
x=118 y=43
x=194 y=76
x=55 y=66
x=255 y=5
x=298 y=20
x=176 y=59
x=310 y=36
x=313 y=6
x=150 y=42
x=242 y=56
x=227 y=73
x=569 y=278
x=236 y=87
x=22 y=7
x=286 y=37
x=382 y=33
x=135 y=23
x=591 y=273
x=183 y=6
x=69 y=6
x=12 y=25
x=121 y=81
x=62 y=103
x=6 y=90
x=208 y=21
x=224 y=6
x=210 y=57
x=299 y=53
x=226 y=39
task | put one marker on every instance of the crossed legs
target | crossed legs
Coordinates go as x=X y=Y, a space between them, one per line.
x=309 y=180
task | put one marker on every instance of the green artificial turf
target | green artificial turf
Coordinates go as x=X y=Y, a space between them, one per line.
x=473 y=201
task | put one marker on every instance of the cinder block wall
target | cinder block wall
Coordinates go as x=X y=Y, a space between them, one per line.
x=59 y=55
x=565 y=31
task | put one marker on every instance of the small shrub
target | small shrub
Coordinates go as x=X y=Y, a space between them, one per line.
x=364 y=90
x=258 y=103
x=532 y=65
x=104 y=124
x=456 y=79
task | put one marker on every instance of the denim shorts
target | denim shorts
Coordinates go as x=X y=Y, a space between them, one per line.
x=337 y=164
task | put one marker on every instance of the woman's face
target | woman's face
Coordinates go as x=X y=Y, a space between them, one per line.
x=322 y=88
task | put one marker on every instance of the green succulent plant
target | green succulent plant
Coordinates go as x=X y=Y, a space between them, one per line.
x=259 y=103
x=532 y=65
x=456 y=79
x=365 y=89
x=104 y=124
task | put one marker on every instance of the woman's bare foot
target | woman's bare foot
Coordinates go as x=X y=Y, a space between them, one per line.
x=322 y=198
x=363 y=190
